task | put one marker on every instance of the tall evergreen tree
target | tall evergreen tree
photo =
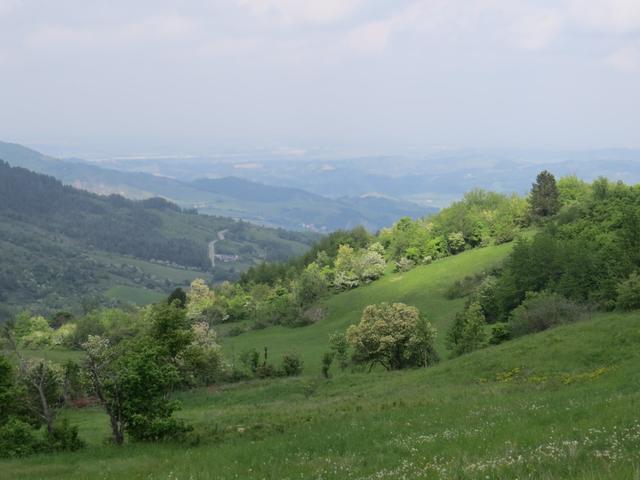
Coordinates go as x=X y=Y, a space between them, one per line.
x=544 y=197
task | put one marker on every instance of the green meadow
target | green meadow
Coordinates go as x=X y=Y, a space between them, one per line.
x=564 y=403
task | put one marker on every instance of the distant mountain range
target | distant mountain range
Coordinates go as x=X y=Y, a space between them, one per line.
x=433 y=179
x=271 y=205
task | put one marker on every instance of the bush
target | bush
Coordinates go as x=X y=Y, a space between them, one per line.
x=17 y=439
x=327 y=361
x=291 y=364
x=64 y=437
x=540 y=311
x=464 y=287
x=404 y=265
x=467 y=332
x=499 y=333
x=629 y=293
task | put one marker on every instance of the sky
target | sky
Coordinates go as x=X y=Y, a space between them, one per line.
x=374 y=76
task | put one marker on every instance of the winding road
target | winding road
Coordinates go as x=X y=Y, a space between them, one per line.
x=212 y=247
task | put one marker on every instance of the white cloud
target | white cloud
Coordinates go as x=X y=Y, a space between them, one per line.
x=165 y=27
x=537 y=30
x=625 y=59
x=371 y=37
x=514 y=23
x=6 y=6
x=303 y=11
x=610 y=16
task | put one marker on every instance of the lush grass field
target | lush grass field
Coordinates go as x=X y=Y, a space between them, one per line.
x=561 y=404
x=134 y=295
x=423 y=287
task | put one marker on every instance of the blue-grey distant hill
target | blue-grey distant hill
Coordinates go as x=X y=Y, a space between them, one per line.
x=277 y=206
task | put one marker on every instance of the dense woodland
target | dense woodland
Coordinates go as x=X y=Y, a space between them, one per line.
x=52 y=236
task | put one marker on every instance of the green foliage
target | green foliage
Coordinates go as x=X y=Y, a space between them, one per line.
x=72 y=381
x=64 y=437
x=467 y=331
x=545 y=196
x=339 y=346
x=629 y=293
x=145 y=380
x=455 y=242
x=540 y=311
x=8 y=391
x=18 y=439
x=250 y=359
x=291 y=364
x=178 y=295
x=327 y=361
x=32 y=331
x=500 y=333
x=394 y=336
x=572 y=191
x=310 y=286
x=170 y=329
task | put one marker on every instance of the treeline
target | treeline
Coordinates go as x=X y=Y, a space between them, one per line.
x=585 y=256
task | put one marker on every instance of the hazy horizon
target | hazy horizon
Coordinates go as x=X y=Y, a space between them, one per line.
x=345 y=76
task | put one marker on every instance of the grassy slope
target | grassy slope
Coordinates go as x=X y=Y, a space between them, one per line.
x=423 y=287
x=561 y=404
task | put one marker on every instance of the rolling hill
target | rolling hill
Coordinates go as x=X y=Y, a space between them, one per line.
x=60 y=246
x=233 y=197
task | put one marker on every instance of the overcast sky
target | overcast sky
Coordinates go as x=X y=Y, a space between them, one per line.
x=378 y=76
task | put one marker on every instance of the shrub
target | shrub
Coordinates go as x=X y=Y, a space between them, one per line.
x=64 y=437
x=17 y=439
x=291 y=364
x=250 y=359
x=540 y=311
x=404 y=265
x=629 y=293
x=499 y=333
x=327 y=361
x=455 y=242
x=467 y=332
x=339 y=347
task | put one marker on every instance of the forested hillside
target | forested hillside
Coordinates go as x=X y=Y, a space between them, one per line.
x=56 y=240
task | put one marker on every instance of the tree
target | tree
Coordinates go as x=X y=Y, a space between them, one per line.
x=545 y=197
x=467 y=332
x=345 y=277
x=369 y=265
x=310 y=286
x=133 y=381
x=199 y=299
x=170 y=329
x=339 y=347
x=100 y=366
x=8 y=391
x=178 y=295
x=41 y=383
x=455 y=242
x=629 y=293
x=395 y=336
